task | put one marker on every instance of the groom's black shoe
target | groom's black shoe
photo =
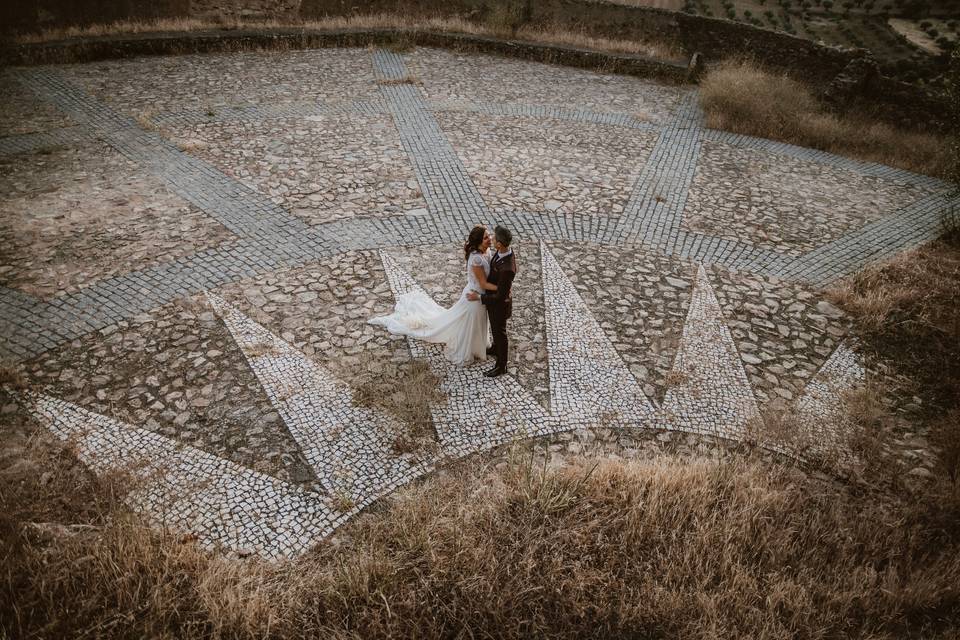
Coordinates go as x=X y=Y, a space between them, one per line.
x=491 y=351
x=496 y=371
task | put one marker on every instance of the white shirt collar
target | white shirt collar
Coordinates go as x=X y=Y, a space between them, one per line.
x=504 y=255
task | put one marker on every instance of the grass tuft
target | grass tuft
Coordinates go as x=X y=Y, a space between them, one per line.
x=406 y=79
x=407 y=396
x=906 y=312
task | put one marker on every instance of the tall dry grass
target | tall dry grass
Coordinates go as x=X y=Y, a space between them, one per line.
x=742 y=97
x=618 y=550
x=496 y=25
x=907 y=315
x=907 y=311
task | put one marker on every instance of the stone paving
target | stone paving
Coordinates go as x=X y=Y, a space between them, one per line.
x=76 y=215
x=319 y=168
x=193 y=246
x=786 y=204
x=153 y=85
x=24 y=113
x=527 y=164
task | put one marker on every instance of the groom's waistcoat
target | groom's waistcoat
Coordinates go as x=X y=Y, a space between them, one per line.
x=502 y=273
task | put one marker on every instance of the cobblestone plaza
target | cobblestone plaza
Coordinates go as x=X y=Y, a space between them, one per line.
x=193 y=246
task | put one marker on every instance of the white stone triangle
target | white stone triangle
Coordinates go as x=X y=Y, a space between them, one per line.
x=222 y=503
x=480 y=412
x=708 y=391
x=589 y=382
x=350 y=448
x=820 y=412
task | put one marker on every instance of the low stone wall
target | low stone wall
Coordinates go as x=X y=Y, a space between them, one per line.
x=101 y=48
x=714 y=38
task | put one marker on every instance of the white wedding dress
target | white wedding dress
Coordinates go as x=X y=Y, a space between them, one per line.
x=462 y=328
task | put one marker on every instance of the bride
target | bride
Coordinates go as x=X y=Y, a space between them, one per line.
x=462 y=327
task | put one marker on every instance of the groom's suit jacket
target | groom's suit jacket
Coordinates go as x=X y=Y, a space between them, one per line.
x=502 y=272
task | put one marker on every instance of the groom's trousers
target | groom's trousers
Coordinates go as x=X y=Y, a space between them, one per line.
x=498 y=329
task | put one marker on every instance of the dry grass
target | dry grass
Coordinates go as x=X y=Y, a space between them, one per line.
x=675 y=378
x=946 y=437
x=907 y=313
x=742 y=97
x=406 y=79
x=407 y=395
x=617 y=550
x=907 y=316
x=492 y=27
x=12 y=378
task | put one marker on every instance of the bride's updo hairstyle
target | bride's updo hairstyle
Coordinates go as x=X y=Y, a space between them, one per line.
x=474 y=240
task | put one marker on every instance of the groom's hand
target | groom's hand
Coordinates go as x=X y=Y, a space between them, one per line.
x=473 y=297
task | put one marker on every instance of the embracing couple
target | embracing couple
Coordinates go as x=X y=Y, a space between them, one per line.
x=486 y=298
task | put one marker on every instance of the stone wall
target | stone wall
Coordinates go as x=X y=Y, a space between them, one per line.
x=714 y=38
x=103 y=48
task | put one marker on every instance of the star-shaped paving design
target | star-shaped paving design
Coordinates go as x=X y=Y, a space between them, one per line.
x=350 y=448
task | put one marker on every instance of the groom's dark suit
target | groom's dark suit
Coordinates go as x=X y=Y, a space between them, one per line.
x=499 y=303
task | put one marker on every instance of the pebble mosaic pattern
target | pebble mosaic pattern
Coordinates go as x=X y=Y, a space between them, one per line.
x=640 y=300
x=707 y=390
x=658 y=292
x=452 y=76
x=23 y=112
x=349 y=447
x=562 y=168
x=222 y=503
x=819 y=412
x=588 y=379
x=177 y=372
x=783 y=330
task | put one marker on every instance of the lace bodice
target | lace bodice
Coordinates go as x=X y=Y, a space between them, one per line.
x=477 y=259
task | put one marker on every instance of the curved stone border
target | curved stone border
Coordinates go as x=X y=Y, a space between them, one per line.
x=106 y=47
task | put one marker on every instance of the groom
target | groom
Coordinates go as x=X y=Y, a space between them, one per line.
x=499 y=303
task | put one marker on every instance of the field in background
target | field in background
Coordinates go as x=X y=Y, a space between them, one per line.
x=905 y=36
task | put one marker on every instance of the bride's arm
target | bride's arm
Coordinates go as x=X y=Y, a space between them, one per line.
x=482 y=279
